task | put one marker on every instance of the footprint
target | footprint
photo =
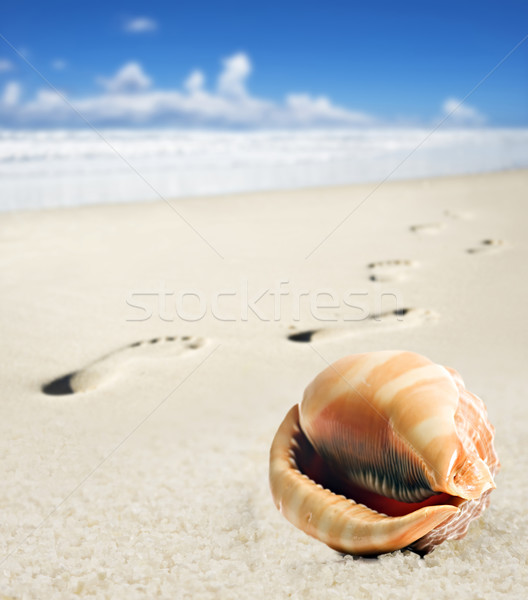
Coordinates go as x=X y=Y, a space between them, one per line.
x=428 y=228
x=110 y=366
x=390 y=270
x=488 y=245
x=401 y=317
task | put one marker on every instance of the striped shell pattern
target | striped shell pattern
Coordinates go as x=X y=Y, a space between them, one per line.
x=387 y=450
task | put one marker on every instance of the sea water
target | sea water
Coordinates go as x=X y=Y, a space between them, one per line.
x=54 y=168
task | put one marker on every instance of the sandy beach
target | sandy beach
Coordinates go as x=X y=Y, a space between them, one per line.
x=150 y=351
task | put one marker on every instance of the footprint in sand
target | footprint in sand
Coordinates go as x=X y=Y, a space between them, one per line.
x=402 y=317
x=109 y=367
x=390 y=270
x=487 y=246
x=428 y=228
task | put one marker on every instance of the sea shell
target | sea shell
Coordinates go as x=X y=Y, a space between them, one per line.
x=386 y=450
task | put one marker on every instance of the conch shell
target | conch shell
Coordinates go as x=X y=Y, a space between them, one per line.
x=387 y=450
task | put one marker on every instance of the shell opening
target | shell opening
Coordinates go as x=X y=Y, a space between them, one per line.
x=311 y=464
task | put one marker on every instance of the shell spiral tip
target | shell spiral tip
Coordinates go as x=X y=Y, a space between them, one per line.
x=472 y=480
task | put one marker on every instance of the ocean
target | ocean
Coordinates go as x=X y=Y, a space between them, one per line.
x=63 y=168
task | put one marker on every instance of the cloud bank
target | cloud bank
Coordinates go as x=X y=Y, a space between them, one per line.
x=130 y=98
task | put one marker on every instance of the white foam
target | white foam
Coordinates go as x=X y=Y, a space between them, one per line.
x=41 y=169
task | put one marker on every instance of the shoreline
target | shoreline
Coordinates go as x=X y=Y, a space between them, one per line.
x=374 y=185
x=40 y=170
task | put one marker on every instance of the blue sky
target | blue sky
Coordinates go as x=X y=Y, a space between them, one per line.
x=267 y=63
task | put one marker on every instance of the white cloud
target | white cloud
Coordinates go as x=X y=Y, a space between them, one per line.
x=232 y=79
x=5 y=65
x=11 y=95
x=306 y=109
x=129 y=79
x=59 y=64
x=128 y=98
x=462 y=114
x=140 y=25
x=195 y=82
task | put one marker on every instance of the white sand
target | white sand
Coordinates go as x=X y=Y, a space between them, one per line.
x=151 y=480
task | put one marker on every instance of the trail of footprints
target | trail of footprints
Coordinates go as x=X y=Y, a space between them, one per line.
x=400 y=269
x=394 y=270
x=488 y=245
x=110 y=366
